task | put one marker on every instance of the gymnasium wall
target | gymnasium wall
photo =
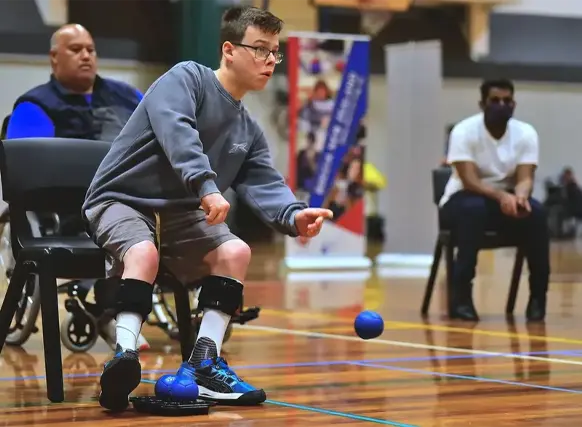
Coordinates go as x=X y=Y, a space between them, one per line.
x=554 y=8
x=554 y=109
x=19 y=73
x=535 y=39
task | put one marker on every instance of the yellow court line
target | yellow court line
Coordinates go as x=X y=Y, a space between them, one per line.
x=486 y=332
x=349 y=328
x=302 y=314
x=404 y=344
x=248 y=333
x=438 y=328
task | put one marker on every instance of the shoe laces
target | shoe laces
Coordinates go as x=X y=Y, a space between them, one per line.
x=119 y=351
x=221 y=364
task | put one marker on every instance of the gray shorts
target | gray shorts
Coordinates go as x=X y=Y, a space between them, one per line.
x=185 y=237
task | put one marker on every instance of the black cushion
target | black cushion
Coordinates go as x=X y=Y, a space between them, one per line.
x=76 y=244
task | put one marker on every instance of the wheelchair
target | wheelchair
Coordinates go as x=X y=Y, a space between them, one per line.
x=84 y=322
x=24 y=322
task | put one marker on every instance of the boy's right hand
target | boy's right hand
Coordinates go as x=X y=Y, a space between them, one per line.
x=216 y=208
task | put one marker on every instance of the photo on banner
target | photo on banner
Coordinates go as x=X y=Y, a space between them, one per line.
x=328 y=78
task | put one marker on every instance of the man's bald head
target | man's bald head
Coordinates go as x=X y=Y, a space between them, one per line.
x=73 y=58
x=67 y=31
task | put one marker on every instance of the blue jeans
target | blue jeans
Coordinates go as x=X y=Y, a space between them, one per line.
x=469 y=215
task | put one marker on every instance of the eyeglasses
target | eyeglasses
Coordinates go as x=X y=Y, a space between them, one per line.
x=262 y=53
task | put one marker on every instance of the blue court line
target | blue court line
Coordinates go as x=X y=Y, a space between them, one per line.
x=408 y=359
x=330 y=363
x=465 y=377
x=340 y=414
x=327 y=412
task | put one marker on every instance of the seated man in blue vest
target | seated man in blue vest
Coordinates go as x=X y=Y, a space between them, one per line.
x=75 y=103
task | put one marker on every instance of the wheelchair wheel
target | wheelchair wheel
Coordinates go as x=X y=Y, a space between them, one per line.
x=24 y=322
x=162 y=314
x=228 y=333
x=79 y=333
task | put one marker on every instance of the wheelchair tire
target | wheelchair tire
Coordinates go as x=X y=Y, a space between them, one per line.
x=79 y=337
x=227 y=333
x=26 y=320
x=162 y=313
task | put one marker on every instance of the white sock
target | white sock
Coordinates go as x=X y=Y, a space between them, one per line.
x=213 y=326
x=127 y=330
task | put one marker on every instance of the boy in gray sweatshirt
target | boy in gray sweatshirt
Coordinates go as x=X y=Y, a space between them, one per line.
x=157 y=196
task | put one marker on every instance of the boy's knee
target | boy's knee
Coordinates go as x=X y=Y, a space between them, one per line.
x=140 y=268
x=230 y=259
x=234 y=253
x=141 y=262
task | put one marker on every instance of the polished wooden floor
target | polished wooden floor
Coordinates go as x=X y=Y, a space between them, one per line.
x=303 y=351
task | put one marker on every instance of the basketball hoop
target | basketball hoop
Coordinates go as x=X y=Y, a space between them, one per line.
x=373 y=20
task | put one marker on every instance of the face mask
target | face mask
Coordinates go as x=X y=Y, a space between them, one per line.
x=498 y=114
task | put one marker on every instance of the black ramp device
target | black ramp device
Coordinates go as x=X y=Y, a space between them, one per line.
x=170 y=408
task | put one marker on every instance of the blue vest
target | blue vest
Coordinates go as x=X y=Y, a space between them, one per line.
x=112 y=103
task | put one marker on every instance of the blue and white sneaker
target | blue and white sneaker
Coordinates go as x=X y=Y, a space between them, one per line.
x=121 y=375
x=218 y=383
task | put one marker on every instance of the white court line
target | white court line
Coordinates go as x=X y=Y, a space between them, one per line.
x=310 y=334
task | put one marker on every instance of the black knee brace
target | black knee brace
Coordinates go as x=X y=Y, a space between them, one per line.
x=106 y=291
x=221 y=293
x=135 y=296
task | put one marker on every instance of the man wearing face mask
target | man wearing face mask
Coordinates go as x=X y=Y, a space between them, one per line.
x=494 y=158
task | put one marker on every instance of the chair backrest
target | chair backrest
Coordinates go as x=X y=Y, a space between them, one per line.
x=440 y=177
x=48 y=174
x=4 y=128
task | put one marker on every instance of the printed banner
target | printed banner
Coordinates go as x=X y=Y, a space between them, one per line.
x=328 y=96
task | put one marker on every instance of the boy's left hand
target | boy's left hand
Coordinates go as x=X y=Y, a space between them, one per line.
x=309 y=221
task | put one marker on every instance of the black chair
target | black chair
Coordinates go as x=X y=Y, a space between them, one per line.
x=53 y=175
x=445 y=239
x=4 y=127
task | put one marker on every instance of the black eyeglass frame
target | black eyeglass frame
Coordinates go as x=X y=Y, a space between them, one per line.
x=278 y=55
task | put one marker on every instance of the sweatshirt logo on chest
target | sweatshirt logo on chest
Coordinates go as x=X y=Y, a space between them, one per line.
x=238 y=148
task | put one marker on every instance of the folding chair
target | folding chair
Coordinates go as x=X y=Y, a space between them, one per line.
x=446 y=240
x=4 y=127
x=53 y=175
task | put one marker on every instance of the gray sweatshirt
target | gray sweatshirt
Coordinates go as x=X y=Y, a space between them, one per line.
x=188 y=138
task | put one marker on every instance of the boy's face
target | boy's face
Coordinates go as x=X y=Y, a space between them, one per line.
x=253 y=59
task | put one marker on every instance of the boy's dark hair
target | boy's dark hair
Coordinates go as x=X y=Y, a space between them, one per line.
x=236 y=20
x=487 y=85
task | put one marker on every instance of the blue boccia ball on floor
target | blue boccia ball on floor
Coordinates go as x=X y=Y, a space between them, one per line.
x=163 y=387
x=176 y=388
x=368 y=325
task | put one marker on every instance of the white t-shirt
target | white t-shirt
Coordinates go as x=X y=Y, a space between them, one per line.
x=496 y=160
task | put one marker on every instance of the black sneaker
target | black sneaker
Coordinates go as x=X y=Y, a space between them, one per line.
x=121 y=375
x=218 y=383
